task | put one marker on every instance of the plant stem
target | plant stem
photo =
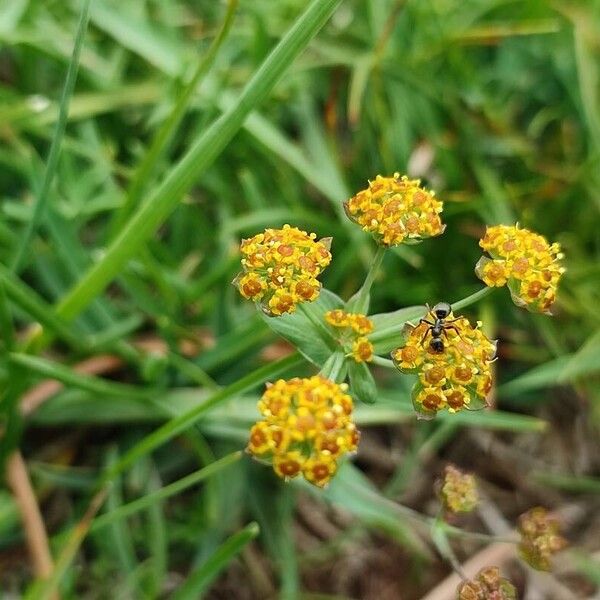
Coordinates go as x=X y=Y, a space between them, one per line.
x=360 y=302
x=383 y=362
x=486 y=291
x=319 y=325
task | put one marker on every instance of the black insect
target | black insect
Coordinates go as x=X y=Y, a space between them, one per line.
x=438 y=326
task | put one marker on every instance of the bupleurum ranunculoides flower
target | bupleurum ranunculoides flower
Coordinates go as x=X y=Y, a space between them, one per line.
x=524 y=261
x=540 y=538
x=396 y=210
x=458 y=491
x=306 y=427
x=281 y=267
x=487 y=585
x=459 y=377
x=351 y=331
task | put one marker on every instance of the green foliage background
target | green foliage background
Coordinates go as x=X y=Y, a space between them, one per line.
x=494 y=104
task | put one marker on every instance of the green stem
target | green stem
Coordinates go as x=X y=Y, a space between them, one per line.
x=383 y=362
x=484 y=537
x=318 y=323
x=486 y=291
x=360 y=302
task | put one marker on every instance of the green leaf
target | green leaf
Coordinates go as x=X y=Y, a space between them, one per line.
x=89 y=383
x=195 y=161
x=542 y=376
x=182 y=422
x=388 y=327
x=167 y=491
x=362 y=384
x=352 y=491
x=586 y=361
x=53 y=155
x=306 y=328
x=200 y=580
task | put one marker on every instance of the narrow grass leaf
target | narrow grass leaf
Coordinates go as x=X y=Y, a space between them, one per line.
x=125 y=510
x=201 y=579
x=179 y=424
x=195 y=161
x=53 y=155
x=52 y=370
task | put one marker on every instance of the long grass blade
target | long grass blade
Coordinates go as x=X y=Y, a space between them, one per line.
x=201 y=155
x=59 y=132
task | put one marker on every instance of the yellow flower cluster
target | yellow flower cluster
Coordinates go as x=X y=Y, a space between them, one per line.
x=395 y=210
x=525 y=261
x=487 y=585
x=457 y=377
x=540 y=538
x=353 y=328
x=307 y=426
x=281 y=267
x=458 y=491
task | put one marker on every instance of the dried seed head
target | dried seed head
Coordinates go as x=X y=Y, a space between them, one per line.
x=540 y=538
x=458 y=491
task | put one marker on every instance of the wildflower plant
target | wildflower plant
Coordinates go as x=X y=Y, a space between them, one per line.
x=459 y=377
x=280 y=268
x=306 y=427
x=350 y=330
x=524 y=261
x=396 y=210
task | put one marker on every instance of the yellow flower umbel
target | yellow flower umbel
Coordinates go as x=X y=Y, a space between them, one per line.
x=352 y=329
x=307 y=426
x=540 y=538
x=396 y=210
x=487 y=585
x=281 y=267
x=458 y=491
x=458 y=377
x=525 y=261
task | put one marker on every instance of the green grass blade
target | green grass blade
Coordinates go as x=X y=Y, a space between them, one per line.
x=179 y=424
x=59 y=132
x=165 y=134
x=29 y=301
x=199 y=581
x=167 y=491
x=574 y=484
x=97 y=385
x=201 y=155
